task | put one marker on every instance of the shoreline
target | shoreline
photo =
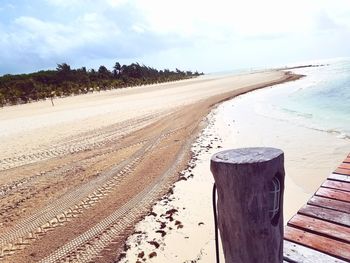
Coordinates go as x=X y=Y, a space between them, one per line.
x=170 y=212
x=193 y=241
x=151 y=234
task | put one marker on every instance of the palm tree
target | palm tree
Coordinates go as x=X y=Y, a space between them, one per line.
x=103 y=72
x=64 y=67
x=117 y=67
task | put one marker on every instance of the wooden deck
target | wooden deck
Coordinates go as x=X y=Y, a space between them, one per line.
x=320 y=231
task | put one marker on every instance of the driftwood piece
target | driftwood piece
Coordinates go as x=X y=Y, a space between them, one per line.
x=243 y=178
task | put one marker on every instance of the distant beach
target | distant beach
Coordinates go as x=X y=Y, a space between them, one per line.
x=285 y=116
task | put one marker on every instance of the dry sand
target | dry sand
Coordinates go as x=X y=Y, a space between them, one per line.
x=76 y=177
x=24 y=128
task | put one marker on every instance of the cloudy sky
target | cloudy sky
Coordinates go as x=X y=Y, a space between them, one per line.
x=199 y=35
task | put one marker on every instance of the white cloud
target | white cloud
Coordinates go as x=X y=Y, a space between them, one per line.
x=33 y=24
x=91 y=36
x=66 y=3
x=245 y=17
x=250 y=31
x=98 y=4
x=116 y=3
x=242 y=17
x=220 y=33
x=138 y=28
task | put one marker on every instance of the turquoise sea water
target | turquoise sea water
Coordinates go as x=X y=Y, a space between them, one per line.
x=319 y=101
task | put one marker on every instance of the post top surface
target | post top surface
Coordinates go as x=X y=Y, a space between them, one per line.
x=247 y=155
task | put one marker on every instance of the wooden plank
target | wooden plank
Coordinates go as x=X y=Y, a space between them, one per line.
x=326 y=214
x=344 y=166
x=330 y=203
x=339 y=177
x=322 y=227
x=334 y=194
x=323 y=244
x=342 y=171
x=293 y=252
x=337 y=185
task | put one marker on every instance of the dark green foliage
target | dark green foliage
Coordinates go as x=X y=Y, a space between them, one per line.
x=65 y=81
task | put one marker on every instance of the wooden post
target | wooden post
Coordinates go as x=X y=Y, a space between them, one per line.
x=249 y=230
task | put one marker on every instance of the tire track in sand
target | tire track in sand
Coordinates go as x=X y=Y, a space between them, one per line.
x=89 y=244
x=71 y=204
x=82 y=142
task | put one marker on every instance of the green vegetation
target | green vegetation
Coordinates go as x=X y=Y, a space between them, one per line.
x=64 y=81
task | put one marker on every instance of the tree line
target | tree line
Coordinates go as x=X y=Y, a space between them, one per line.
x=64 y=81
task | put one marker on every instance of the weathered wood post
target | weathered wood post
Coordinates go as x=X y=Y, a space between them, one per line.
x=250 y=185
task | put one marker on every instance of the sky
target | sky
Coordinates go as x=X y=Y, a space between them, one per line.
x=201 y=35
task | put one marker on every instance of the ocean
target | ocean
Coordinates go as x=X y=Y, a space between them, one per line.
x=319 y=101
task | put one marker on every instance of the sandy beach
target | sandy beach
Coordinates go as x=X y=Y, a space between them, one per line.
x=310 y=155
x=111 y=112
x=76 y=178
